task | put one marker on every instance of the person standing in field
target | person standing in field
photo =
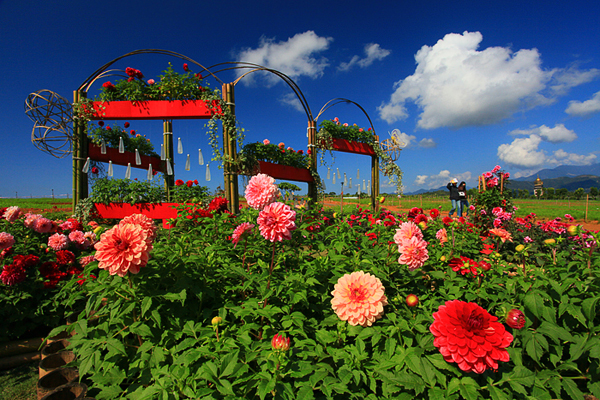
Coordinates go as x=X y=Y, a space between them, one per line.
x=463 y=198
x=454 y=197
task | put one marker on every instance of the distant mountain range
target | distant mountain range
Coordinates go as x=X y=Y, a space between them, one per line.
x=570 y=177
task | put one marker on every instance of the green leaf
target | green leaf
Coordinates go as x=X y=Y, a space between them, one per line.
x=224 y=387
x=571 y=388
x=588 y=307
x=305 y=393
x=114 y=345
x=146 y=304
x=495 y=393
x=534 y=303
x=229 y=363
x=468 y=388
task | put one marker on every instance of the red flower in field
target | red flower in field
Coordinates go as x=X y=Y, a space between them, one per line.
x=132 y=132
x=199 y=76
x=195 y=181
x=178 y=182
x=185 y=67
x=468 y=335
x=64 y=257
x=108 y=128
x=122 y=249
x=218 y=204
x=420 y=218
x=515 y=319
x=108 y=87
x=484 y=265
x=95 y=170
x=434 y=212
x=189 y=183
x=447 y=221
x=27 y=261
x=12 y=274
x=126 y=124
x=464 y=265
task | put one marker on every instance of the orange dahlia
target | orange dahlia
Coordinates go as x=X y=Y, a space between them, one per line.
x=468 y=335
x=146 y=223
x=359 y=298
x=124 y=248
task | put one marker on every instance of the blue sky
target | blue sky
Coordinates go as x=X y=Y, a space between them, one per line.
x=470 y=84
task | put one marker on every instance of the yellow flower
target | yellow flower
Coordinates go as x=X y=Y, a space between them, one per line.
x=550 y=241
x=520 y=248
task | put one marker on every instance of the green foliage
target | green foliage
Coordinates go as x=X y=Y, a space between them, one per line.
x=151 y=335
x=251 y=153
x=113 y=135
x=106 y=191
x=192 y=193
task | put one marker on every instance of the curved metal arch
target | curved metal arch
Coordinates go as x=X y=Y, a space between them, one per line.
x=90 y=79
x=256 y=67
x=339 y=100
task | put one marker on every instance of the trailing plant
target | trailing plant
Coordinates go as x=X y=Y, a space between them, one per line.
x=113 y=135
x=333 y=129
x=251 y=153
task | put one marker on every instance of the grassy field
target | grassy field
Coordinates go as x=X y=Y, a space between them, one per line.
x=19 y=383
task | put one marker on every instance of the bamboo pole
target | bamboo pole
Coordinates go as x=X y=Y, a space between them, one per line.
x=79 y=142
x=168 y=146
x=312 y=141
x=587 y=201
x=374 y=178
x=230 y=176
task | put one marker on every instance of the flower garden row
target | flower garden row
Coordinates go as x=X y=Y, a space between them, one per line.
x=279 y=303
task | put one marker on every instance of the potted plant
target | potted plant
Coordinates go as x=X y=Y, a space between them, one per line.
x=275 y=160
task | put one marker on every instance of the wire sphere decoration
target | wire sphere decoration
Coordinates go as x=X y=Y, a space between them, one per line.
x=52 y=115
x=55 y=140
x=393 y=145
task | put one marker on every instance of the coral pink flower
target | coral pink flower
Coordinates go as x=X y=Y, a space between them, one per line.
x=442 y=235
x=12 y=213
x=58 y=241
x=407 y=231
x=42 y=225
x=266 y=142
x=6 y=240
x=30 y=219
x=468 y=335
x=86 y=260
x=240 y=231
x=124 y=248
x=503 y=234
x=414 y=253
x=78 y=237
x=12 y=274
x=146 y=223
x=261 y=191
x=276 y=222
x=358 y=298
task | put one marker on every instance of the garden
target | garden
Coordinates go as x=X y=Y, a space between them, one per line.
x=306 y=303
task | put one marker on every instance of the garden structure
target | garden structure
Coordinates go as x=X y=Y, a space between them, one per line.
x=205 y=105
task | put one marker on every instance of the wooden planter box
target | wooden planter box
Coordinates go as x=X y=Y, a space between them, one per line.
x=117 y=158
x=285 y=172
x=352 y=147
x=155 y=109
x=162 y=211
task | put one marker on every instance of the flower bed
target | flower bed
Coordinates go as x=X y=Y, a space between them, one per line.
x=278 y=304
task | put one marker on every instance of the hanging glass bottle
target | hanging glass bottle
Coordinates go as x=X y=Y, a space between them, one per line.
x=169 y=168
x=364 y=185
x=121 y=145
x=103 y=147
x=328 y=173
x=187 y=163
x=150 y=173
x=338 y=172
x=179 y=146
x=162 y=152
x=350 y=182
x=333 y=181
x=138 y=159
x=110 y=169
x=207 y=173
x=128 y=171
x=86 y=166
x=200 y=158
x=357 y=174
x=345 y=180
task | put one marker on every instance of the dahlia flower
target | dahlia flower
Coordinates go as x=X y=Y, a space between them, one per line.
x=358 y=298
x=503 y=234
x=414 y=253
x=65 y=257
x=30 y=219
x=261 y=191
x=12 y=213
x=468 y=335
x=146 y=223
x=407 y=231
x=58 y=241
x=6 y=240
x=240 y=231
x=276 y=222
x=442 y=235
x=42 y=225
x=124 y=248
x=12 y=274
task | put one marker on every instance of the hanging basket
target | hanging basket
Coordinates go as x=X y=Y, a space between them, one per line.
x=347 y=146
x=156 y=109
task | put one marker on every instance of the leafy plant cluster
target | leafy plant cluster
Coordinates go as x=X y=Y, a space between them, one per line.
x=199 y=319
x=251 y=153
x=108 y=190
x=493 y=193
x=113 y=135
x=333 y=129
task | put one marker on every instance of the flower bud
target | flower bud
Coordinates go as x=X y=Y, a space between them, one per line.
x=515 y=319
x=381 y=200
x=484 y=265
x=574 y=230
x=520 y=248
x=550 y=241
x=412 y=300
x=279 y=342
x=216 y=321
x=443 y=258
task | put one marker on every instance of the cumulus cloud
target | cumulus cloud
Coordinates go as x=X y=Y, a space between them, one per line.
x=558 y=134
x=295 y=57
x=441 y=179
x=292 y=100
x=561 y=157
x=457 y=85
x=373 y=52
x=586 y=108
x=427 y=143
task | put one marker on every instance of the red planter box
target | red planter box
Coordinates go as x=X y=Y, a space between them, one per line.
x=352 y=147
x=117 y=158
x=285 y=172
x=162 y=211
x=155 y=109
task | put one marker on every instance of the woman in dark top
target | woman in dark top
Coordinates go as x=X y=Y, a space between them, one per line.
x=454 y=197
x=462 y=196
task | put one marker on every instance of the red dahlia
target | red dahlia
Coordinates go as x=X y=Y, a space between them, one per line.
x=468 y=335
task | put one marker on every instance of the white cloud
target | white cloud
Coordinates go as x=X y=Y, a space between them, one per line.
x=588 y=107
x=373 y=52
x=295 y=57
x=456 y=85
x=567 y=78
x=561 y=157
x=558 y=134
x=441 y=179
x=292 y=100
x=427 y=143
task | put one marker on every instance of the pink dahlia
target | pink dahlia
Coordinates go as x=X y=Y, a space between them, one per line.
x=86 y=260
x=146 y=223
x=266 y=142
x=6 y=240
x=30 y=219
x=12 y=213
x=358 y=298
x=503 y=234
x=414 y=253
x=58 y=241
x=43 y=225
x=261 y=191
x=124 y=248
x=12 y=274
x=407 y=231
x=442 y=235
x=276 y=222
x=240 y=231
x=468 y=335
